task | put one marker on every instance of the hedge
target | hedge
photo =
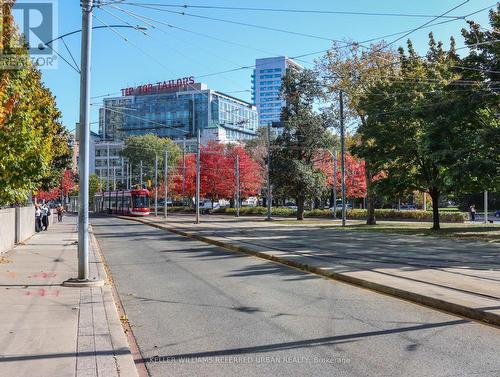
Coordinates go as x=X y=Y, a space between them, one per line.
x=181 y=209
x=352 y=214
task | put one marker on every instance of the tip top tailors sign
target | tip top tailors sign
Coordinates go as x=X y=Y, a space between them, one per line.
x=158 y=86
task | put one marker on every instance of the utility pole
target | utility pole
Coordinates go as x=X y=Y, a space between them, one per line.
x=107 y=167
x=114 y=178
x=141 y=175
x=122 y=176
x=184 y=168
x=342 y=156
x=156 y=185
x=125 y=186
x=83 y=279
x=425 y=201
x=486 y=207
x=62 y=189
x=165 y=177
x=334 y=184
x=237 y=186
x=198 y=162
x=131 y=177
x=269 y=194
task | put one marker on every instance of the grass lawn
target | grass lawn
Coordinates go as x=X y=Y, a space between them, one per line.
x=464 y=231
x=476 y=232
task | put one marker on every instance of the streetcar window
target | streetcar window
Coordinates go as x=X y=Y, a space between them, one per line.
x=140 y=201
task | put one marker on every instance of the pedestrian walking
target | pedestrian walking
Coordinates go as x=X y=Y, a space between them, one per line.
x=472 y=211
x=38 y=218
x=45 y=217
x=60 y=211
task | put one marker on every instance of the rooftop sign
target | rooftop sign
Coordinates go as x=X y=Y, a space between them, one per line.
x=158 y=86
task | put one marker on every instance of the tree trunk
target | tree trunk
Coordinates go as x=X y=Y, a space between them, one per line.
x=300 y=208
x=370 y=200
x=435 y=208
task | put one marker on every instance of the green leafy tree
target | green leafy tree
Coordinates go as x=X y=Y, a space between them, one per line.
x=352 y=70
x=417 y=136
x=94 y=187
x=145 y=148
x=32 y=139
x=294 y=166
x=480 y=170
x=483 y=61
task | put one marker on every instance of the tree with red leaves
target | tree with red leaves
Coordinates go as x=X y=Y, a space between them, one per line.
x=67 y=185
x=217 y=178
x=251 y=172
x=218 y=173
x=46 y=196
x=355 y=180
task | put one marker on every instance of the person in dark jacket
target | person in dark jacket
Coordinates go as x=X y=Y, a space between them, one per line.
x=45 y=216
x=472 y=211
x=60 y=211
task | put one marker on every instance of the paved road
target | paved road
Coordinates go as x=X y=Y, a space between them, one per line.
x=208 y=312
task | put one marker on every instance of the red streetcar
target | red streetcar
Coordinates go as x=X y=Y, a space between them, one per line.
x=124 y=202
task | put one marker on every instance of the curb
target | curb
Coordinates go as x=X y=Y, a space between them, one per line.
x=434 y=303
x=123 y=355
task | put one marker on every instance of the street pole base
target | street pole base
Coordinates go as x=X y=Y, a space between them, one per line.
x=269 y=219
x=83 y=283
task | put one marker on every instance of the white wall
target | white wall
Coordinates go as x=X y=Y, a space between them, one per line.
x=25 y=223
x=7 y=229
x=16 y=225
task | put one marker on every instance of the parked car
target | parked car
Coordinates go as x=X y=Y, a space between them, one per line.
x=497 y=213
x=251 y=201
x=339 y=206
x=291 y=205
x=408 y=207
x=206 y=205
x=161 y=202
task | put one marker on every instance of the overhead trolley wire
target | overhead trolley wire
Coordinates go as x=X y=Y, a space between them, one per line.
x=284 y=10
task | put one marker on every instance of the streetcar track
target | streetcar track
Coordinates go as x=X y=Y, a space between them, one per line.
x=364 y=258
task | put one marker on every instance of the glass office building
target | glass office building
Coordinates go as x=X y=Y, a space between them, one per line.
x=177 y=112
x=266 y=87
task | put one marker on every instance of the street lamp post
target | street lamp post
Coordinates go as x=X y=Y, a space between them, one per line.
x=342 y=156
x=123 y=172
x=131 y=177
x=140 y=168
x=486 y=207
x=269 y=194
x=165 y=209
x=198 y=163
x=156 y=185
x=237 y=186
x=334 y=158
x=83 y=279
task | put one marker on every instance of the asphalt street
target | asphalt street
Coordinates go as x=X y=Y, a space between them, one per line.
x=199 y=310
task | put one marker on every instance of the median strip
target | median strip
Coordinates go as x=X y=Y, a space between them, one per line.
x=487 y=311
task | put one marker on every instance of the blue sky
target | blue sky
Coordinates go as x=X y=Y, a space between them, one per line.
x=172 y=53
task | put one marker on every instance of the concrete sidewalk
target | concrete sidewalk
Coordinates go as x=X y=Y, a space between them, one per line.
x=48 y=330
x=461 y=277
